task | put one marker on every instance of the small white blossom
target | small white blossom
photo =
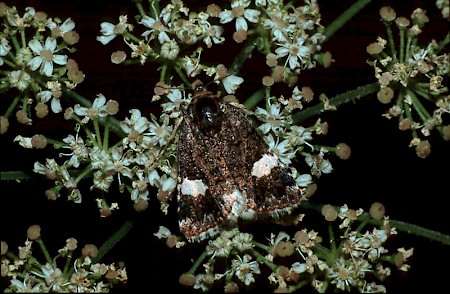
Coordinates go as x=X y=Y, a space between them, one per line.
x=240 y=13
x=244 y=268
x=98 y=109
x=45 y=56
x=110 y=31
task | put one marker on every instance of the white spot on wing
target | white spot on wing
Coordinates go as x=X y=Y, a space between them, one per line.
x=263 y=166
x=236 y=202
x=193 y=187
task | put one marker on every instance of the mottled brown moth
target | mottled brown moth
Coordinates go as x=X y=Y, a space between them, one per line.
x=226 y=170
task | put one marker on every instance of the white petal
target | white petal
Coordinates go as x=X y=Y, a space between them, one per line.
x=44 y=96
x=304 y=180
x=292 y=62
x=79 y=110
x=241 y=24
x=225 y=16
x=147 y=21
x=105 y=39
x=35 y=62
x=67 y=25
x=282 y=51
x=56 y=105
x=47 y=68
x=35 y=46
x=60 y=59
x=99 y=101
x=252 y=15
x=107 y=28
x=50 y=44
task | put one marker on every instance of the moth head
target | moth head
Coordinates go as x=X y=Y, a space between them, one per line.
x=206 y=112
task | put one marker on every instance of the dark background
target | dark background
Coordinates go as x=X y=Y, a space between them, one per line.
x=382 y=166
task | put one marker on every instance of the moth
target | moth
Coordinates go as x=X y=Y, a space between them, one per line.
x=226 y=171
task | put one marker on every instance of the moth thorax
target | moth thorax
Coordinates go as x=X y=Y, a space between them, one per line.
x=206 y=113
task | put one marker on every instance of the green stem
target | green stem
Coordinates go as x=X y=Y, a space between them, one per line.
x=443 y=43
x=410 y=229
x=408 y=113
x=262 y=246
x=423 y=113
x=16 y=176
x=84 y=173
x=399 y=225
x=106 y=133
x=261 y=258
x=336 y=101
x=254 y=99
x=408 y=46
x=140 y=8
x=402 y=45
x=390 y=38
x=332 y=239
x=113 y=240
x=154 y=11
x=12 y=106
x=339 y=22
x=243 y=55
x=45 y=251
x=97 y=134
x=197 y=263
x=182 y=75
x=68 y=263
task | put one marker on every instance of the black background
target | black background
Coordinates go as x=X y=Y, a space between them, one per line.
x=382 y=166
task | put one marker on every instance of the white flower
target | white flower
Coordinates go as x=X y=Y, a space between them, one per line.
x=78 y=148
x=273 y=118
x=221 y=247
x=319 y=164
x=110 y=31
x=98 y=109
x=282 y=150
x=67 y=26
x=299 y=136
x=163 y=233
x=295 y=50
x=53 y=276
x=170 y=49
x=165 y=184
x=241 y=14
x=134 y=126
x=244 y=269
x=19 y=79
x=27 y=285
x=153 y=24
x=243 y=241
x=176 y=100
x=199 y=283
x=45 y=56
x=342 y=274
x=4 y=47
x=45 y=96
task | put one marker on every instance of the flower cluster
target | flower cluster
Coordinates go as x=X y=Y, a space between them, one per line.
x=356 y=259
x=138 y=152
x=289 y=36
x=145 y=154
x=35 y=59
x=27 y=274
x=412 y=78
